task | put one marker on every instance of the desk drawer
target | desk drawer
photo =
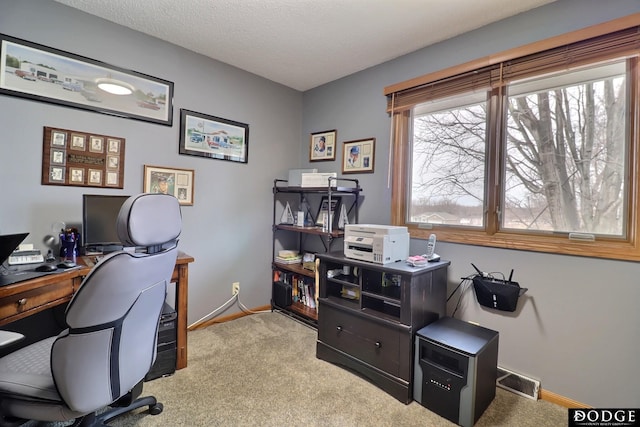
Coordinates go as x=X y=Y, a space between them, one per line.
x=368 y=341
x=35 y=299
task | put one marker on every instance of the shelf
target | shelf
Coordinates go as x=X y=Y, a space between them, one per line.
x=309 y=230
x=341 y=190
x=279 y=186
x=295 y=268
x=303 y=310
x=343 y=280
x=389 y=299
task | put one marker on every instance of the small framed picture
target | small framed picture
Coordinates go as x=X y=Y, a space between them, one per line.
x=97 y=144
x=113 y=162
x=58 y=157
x=56 y=174
x=113 y=146
x=112 y=179
x=323 y=146
x=95 y=177
x=78 y=142
x=76 y=175
x=358 y=156
x=177 y=182
x=58 y=139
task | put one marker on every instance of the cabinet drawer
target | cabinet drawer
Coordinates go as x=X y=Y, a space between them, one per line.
x=35 y=298
x=371 y=342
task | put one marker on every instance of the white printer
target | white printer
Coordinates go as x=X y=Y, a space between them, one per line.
x=380 y=244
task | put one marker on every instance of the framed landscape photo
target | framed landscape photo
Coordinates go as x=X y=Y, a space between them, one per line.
x=323 y=146
x=176 y=182
x=213 y=137
x=358 y=156
x=42 y=73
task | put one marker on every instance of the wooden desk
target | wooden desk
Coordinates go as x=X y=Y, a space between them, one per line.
x=23 y=299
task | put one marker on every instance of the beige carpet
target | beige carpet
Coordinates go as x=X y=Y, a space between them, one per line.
x=261 y=370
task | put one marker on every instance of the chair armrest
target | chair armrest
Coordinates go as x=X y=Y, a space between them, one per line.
x=8 y=337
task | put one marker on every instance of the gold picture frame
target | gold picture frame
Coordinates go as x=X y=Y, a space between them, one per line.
x=322 y=146
x=358 y=156
x=176 y=182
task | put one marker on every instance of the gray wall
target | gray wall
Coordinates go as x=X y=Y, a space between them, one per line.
x=578 y=329
x=228 y=229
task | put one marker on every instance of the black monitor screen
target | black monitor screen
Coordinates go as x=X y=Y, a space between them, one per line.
x=99 y=215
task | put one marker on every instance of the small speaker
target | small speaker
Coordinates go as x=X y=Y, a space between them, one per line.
x=281 y=294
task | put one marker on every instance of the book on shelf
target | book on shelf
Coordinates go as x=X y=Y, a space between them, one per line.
x=289 y=260
x=303 y=288
x=288 y=256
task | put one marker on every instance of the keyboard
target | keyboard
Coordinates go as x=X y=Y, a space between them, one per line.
x=25 y=257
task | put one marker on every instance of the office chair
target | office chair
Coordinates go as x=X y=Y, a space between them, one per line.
x=101 y=358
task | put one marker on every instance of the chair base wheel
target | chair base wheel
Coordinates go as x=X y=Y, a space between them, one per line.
x=156 y=409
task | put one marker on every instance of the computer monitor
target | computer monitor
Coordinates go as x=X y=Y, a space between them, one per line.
x=99 y=216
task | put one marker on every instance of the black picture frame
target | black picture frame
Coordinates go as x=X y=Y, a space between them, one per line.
x=324 y=207
x=41 y=73
x=213 y=137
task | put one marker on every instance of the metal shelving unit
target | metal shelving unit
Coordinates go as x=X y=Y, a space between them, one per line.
x=349 y=190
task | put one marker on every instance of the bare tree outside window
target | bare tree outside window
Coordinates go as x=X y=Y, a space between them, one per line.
x=564 y=157
x=449 y=166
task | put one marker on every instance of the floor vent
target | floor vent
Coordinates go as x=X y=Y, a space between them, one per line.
x=518 y=384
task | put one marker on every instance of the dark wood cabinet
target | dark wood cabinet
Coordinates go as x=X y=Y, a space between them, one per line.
x=367 y=319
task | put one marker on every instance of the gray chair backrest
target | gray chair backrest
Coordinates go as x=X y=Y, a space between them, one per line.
x=110 y=343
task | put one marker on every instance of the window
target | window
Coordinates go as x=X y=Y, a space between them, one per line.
x=448 y=162
x=537 y=152
x=566 y=153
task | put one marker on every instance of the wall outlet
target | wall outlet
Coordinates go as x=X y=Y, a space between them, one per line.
x=235 y=288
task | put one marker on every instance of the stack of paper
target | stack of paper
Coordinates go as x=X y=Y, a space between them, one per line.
x=289 y=257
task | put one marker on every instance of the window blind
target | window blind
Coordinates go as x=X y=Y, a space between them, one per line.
x=601 y=47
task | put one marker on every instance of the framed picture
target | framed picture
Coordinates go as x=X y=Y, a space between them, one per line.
x=177 y=182
x=76 y=175
x=95 y=176
x=358 y=156
x=112 y=179
x=73 y=157
x=42 y=73
x=77 y=142
x=56 y=174
x=112 y=162
x=58 y=157
x=58 y=139
x=97 y=144
x=213 y=137
x=323 y=146
x=114 y=146
x=326 y=213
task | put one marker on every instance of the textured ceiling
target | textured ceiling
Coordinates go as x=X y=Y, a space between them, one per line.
x=303 y=43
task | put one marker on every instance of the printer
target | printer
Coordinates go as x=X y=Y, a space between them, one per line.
x=380 y=244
